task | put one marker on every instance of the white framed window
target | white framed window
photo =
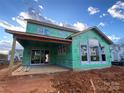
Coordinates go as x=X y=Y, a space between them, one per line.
x=84 y=57
x=103 y=56
x=94 y=53
x=94 y=50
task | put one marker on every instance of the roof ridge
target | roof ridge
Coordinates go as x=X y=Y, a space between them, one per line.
x=52 y=25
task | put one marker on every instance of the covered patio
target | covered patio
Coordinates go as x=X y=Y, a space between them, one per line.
x=46 y=69
x=36 y=47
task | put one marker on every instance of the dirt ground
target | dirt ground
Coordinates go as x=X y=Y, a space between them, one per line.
x=109 y=80
x=3 y=66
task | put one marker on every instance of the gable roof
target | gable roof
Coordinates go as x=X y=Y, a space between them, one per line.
x=97 y=30
x=52 y=25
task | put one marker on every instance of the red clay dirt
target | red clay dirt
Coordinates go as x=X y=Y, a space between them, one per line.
x=26 y=84
x=2 y=66
x=109 y=80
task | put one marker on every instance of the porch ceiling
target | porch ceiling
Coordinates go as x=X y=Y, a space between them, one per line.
x=35 y=37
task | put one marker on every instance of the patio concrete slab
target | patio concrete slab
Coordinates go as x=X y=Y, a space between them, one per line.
x=24 y=70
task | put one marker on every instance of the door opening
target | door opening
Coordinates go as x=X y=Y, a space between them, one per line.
x=39 y=57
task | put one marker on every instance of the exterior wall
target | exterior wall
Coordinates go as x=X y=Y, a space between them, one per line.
x=64 y=59
x=38 y=29
x=26 y=56
x=71 y=58
x=83 y=39
x=61 y=60
x=29 y=45
x=54 y=58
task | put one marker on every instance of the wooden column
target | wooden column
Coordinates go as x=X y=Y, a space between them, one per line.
x=13 y=52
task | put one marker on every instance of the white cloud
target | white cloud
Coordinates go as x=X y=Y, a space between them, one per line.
x=5 y=37
x=61 y=24
x=7 y=25
x=32 y=14
x=36 y=0
x=100 y=16
x=103 y=15
x=13 y=18
x=101 y=24
x=114 y=38
x=5 y=46
x=40 y=6
x=19 y=19
x=117 y=10
x=80 y=26
x=49 y=19
x=93 y=10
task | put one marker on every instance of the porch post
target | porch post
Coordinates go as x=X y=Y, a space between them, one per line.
x=12 y=52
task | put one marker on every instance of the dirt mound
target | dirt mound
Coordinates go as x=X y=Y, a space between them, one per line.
x=110 y=80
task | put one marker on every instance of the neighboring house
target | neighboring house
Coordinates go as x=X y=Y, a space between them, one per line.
x=17 y=56
x=46 y=43
x=117 y=53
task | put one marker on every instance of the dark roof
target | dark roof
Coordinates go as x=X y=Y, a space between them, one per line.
x=97 y=30
x=52 y=25
x=36 y=37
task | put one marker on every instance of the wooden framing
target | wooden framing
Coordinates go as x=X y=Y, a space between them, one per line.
x=36 y=37
x=12 y=52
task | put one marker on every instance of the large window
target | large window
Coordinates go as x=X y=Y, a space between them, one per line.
x=39 y=56
x=35 y=58
x=94 y=53
x=94 y=50
x=84 y=53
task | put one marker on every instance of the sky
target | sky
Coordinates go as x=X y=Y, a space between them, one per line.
x=108 y=15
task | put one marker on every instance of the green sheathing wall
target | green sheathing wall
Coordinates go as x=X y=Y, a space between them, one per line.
x=83 y=38
x=38 y=29
x=64 y=59
x=29 y=45
x=61 y=60
x=26 y=58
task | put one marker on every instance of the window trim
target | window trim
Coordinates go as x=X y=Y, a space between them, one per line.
x=88 y=54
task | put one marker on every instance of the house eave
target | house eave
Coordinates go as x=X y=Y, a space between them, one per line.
x=36 y=37
x=97 y=30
